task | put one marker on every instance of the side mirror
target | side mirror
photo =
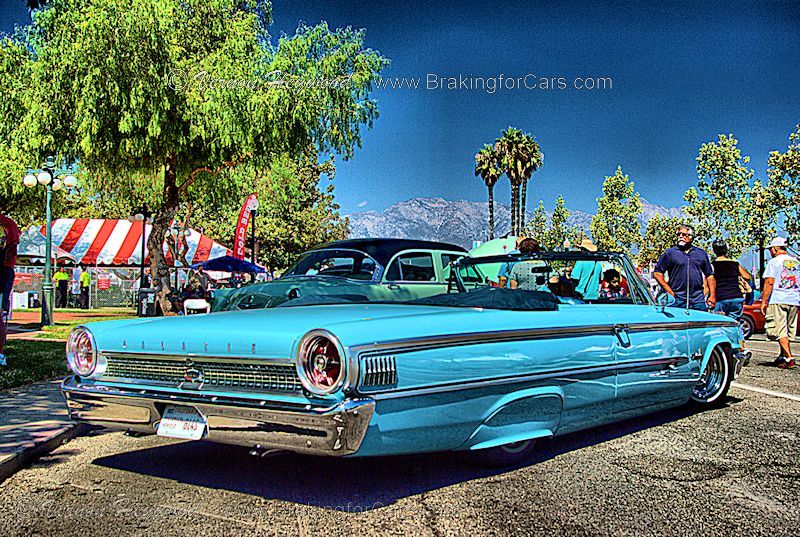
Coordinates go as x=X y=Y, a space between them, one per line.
x=665 y=300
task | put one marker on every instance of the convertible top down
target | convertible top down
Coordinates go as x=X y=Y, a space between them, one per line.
x=475 y=367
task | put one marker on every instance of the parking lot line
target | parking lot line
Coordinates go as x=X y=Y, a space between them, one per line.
x=765 y=391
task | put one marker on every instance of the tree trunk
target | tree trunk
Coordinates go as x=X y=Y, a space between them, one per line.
x=514 y=207
x=522 y=205
x=491 y=212
x=162 y=218
x=761 y=263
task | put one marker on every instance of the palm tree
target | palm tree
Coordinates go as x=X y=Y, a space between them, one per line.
x=520 y=156
x=487 y=166
x=536 y=160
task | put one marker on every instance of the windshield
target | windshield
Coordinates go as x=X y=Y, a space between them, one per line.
x=350 y=264
x=572 y=277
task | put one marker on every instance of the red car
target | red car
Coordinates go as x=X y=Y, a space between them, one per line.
x=752 y=320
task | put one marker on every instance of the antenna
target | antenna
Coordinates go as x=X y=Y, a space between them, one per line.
x=688 y=266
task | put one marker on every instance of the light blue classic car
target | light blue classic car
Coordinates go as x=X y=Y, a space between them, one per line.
x=475 y=368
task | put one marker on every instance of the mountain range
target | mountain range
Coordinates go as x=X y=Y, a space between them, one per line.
x=460 y=222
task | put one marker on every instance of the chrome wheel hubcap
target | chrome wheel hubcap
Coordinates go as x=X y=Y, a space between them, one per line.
x=516 y=447
x=745 y=326
x=713 y=378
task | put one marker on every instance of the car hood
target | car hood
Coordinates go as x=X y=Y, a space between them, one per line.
x=273 y=333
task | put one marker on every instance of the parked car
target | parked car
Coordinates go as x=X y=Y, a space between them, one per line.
x=481 y=369
x=752 y=320
x=356 y=269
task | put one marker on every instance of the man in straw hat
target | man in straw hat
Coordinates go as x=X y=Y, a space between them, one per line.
x=587 y=273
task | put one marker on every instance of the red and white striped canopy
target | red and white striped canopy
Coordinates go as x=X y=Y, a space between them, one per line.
x=119 y=242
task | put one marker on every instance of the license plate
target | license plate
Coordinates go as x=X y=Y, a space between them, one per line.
x=182 y=422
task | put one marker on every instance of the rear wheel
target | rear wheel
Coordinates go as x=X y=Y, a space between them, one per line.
x=715 y=381
x=507 y=454
x=747 y=325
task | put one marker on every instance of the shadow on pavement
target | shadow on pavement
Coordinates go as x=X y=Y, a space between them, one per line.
x=344 y=484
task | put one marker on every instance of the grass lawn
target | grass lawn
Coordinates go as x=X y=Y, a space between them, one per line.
x=32 y=361
x=61 y=329
x=67 y=319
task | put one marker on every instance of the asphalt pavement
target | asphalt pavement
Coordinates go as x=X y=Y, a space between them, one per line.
x=729 y=471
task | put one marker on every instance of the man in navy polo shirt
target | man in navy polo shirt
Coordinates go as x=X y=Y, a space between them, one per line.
x=687 y=266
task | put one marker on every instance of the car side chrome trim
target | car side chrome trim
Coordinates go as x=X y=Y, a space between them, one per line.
x=454 y=340
x=544 y=375
x=706 y=324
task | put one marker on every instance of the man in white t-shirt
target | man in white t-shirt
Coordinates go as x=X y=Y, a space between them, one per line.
x=76 y=286
x=781 y=298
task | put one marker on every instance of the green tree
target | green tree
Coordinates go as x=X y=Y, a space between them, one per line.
x=576 y=235
x=180 y=91
x=15 y=67
x=615 y=227
x=717 y=204
x=487 y=166
x=783 y=170
x=520 y=156
x=761 y=217
x=557 y=230
x=296 y=209
x=658 y=237
x=299 y=214
x=537 y=227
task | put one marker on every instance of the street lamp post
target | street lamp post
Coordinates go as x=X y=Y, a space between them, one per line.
x=143 y=215
x=53 y=178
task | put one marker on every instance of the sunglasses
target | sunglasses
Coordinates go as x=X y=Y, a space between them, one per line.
x=684 y=234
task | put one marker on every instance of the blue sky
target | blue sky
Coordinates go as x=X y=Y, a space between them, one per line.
x=682 y=73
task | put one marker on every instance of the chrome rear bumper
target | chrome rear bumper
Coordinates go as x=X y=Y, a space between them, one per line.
x=336 y=430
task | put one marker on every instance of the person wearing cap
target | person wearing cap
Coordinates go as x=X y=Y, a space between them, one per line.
x=730 y=297
x=587 y=273
x=780 y=300
x=689 y=270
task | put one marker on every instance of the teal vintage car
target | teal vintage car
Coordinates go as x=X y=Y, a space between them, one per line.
x=475 y=368
x=358 y=269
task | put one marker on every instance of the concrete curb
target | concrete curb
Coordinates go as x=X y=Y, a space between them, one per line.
x=27 y=455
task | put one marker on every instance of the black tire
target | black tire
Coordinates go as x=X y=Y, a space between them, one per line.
x=712 y=388
x=747 y=325
x=506 y=455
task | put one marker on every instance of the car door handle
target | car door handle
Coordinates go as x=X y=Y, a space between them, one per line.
x=393 y=286
x=622 y=335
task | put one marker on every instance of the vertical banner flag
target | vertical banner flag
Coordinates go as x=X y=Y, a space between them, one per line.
x=251 y=202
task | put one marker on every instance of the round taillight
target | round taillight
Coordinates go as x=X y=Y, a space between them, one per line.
x=81 y=352
x=320 y=364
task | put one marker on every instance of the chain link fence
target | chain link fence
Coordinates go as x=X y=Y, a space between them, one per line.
x=108 y=287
